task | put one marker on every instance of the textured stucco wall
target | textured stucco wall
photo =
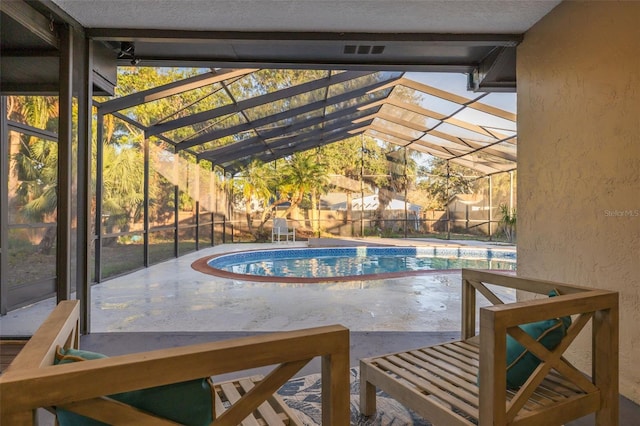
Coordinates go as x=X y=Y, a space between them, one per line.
x=579 y=159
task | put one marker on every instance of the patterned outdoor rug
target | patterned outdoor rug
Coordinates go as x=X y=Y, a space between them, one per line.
x=303 y=396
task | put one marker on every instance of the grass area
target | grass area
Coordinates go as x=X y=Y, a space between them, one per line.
x=26 y=265
x=128 y=257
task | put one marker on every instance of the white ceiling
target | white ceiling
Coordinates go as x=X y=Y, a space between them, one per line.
x=402 y=16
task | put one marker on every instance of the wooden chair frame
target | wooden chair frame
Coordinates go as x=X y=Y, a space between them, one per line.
x=440 y=382
x=32 y=381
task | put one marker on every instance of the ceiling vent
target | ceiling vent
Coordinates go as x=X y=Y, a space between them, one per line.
x=363 y=49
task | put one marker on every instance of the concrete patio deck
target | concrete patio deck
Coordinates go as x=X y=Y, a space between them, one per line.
x=170 y=305
x=171 y=296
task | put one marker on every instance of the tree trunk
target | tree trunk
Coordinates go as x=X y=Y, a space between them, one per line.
x=247 y=205
x=48 y=241
x=384 y=198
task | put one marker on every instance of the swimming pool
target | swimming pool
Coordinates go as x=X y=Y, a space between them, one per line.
x=351 y=263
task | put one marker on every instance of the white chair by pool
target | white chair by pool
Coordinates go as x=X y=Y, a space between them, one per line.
x=281 y=229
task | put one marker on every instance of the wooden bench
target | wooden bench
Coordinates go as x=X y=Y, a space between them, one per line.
x=441 y=382
x=32 y=380
x=9 y=349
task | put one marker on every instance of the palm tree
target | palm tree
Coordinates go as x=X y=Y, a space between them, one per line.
x=508 y=221
x=123 y=196
x=35 y=163
x=255 y=183
x=303 y=174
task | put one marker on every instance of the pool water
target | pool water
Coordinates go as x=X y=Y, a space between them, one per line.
x=360 y=261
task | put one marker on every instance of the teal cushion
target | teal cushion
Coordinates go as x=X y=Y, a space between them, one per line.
x=520 y=362
x=187 y=403
x=67 y=356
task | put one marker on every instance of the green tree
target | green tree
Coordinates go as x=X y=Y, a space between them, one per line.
x=304 y=174
x=397 y=164
x=445 y=180
x=508 y=221
x=255 y=183
x=123 y=163
x=123 y=196
x=380 y=165
x=357 y=156
x=35 y=162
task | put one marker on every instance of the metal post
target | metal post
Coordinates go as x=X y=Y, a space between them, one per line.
x=406 y=186
x=214 y=210
x=349 y=214
x=510 y=191
x=197 y=225
x=145 y=196
x=65 y=117
x=447 y=203
x=176 y=221
x=316 y=194
x=224 y=229
x=490 y=205
x=229 y=211
x=196 y=191
x=99 y=191
x=362 y=187
x=84 y=234
x=176 y=193
x=318 y=200
x=4 y=206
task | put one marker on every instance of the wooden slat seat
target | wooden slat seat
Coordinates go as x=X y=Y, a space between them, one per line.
x=9 y=349
x=273 y=412
x=32 y=380
x=452 y=382
x=464 y=382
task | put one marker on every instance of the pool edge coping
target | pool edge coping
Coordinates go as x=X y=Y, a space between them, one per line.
x=202 y=265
